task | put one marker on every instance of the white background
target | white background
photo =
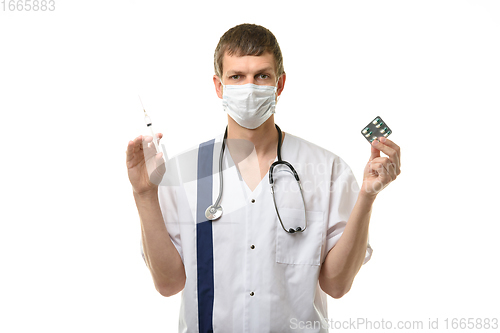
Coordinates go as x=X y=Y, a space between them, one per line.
x=69 y=80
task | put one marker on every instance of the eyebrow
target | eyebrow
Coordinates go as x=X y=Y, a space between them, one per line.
x=232 y=72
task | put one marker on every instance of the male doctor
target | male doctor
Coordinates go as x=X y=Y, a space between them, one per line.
x=267 y=263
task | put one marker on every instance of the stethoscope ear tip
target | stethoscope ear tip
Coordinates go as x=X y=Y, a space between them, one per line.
x=292 y=230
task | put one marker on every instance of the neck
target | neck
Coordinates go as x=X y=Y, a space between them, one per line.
x=264 y=138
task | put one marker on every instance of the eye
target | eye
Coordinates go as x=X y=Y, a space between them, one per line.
x=234 y=77
x=263 y=76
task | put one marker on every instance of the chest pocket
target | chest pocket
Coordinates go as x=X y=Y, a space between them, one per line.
x=300 y=248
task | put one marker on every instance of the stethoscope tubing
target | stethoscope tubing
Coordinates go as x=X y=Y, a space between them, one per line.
x=213 y=212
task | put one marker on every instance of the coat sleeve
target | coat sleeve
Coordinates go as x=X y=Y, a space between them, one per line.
x=344 y=191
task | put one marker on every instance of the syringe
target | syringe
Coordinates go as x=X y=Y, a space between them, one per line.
x=150 y=126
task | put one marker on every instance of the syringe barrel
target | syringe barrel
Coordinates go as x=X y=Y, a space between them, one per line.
x=155 y=138
x=149 y=124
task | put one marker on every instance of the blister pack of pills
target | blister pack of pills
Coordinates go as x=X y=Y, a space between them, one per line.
x=375 y=129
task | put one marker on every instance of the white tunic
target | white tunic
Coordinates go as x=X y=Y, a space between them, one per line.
x=255 y=276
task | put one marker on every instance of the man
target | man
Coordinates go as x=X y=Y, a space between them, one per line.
x=266 y=263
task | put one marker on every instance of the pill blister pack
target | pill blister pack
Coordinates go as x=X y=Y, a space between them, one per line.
x=375 y=129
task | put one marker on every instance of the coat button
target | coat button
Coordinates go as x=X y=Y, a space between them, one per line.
x=251 y=294
x=252 y=246
x=253 y=200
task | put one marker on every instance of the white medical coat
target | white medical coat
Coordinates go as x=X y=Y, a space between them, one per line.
x=260 y=278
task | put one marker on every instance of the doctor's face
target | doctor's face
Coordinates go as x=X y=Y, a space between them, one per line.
x=258 y=70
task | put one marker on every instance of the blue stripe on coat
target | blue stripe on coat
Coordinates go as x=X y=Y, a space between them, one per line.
x=204 y=241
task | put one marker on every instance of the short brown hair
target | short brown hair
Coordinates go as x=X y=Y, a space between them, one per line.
x=248 y=39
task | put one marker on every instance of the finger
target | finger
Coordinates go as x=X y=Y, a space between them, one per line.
x=130 y=151
x=138 y=143
x=156 y=175
x=133 y=157
x=149 y=140
x=387 y=164
x=374 y=153
x=148 y=147
x=155 y=167
x=382 y=170
x=379 y=160
x=390 y=168
x=393 y=155
x=391 y=144
x=376 y=169
x=133 y=148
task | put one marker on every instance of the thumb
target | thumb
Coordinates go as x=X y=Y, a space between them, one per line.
x=374 y=153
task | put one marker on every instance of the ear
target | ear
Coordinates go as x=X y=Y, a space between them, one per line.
x=281 y=83
x=218 y=86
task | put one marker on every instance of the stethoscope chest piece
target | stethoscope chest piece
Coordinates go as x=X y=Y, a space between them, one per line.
x=213 y=212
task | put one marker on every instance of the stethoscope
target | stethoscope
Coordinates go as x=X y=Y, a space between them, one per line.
x=213 y=212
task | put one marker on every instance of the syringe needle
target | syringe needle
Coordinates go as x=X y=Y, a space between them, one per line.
x=142 y=104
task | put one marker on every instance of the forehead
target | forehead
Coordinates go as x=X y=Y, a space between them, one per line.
x=248 y=64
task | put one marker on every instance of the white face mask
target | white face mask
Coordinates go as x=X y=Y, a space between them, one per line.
x=250 y=105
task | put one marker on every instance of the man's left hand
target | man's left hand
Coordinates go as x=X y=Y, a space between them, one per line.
x=381 y=171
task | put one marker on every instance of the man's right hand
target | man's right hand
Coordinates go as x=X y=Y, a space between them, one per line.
x=145 y=171
x=145 y=167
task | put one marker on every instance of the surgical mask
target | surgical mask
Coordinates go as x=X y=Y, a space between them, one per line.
x=250 y=105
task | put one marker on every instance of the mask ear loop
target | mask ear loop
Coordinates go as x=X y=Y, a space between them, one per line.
x=277 y=96
x=222 y=84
